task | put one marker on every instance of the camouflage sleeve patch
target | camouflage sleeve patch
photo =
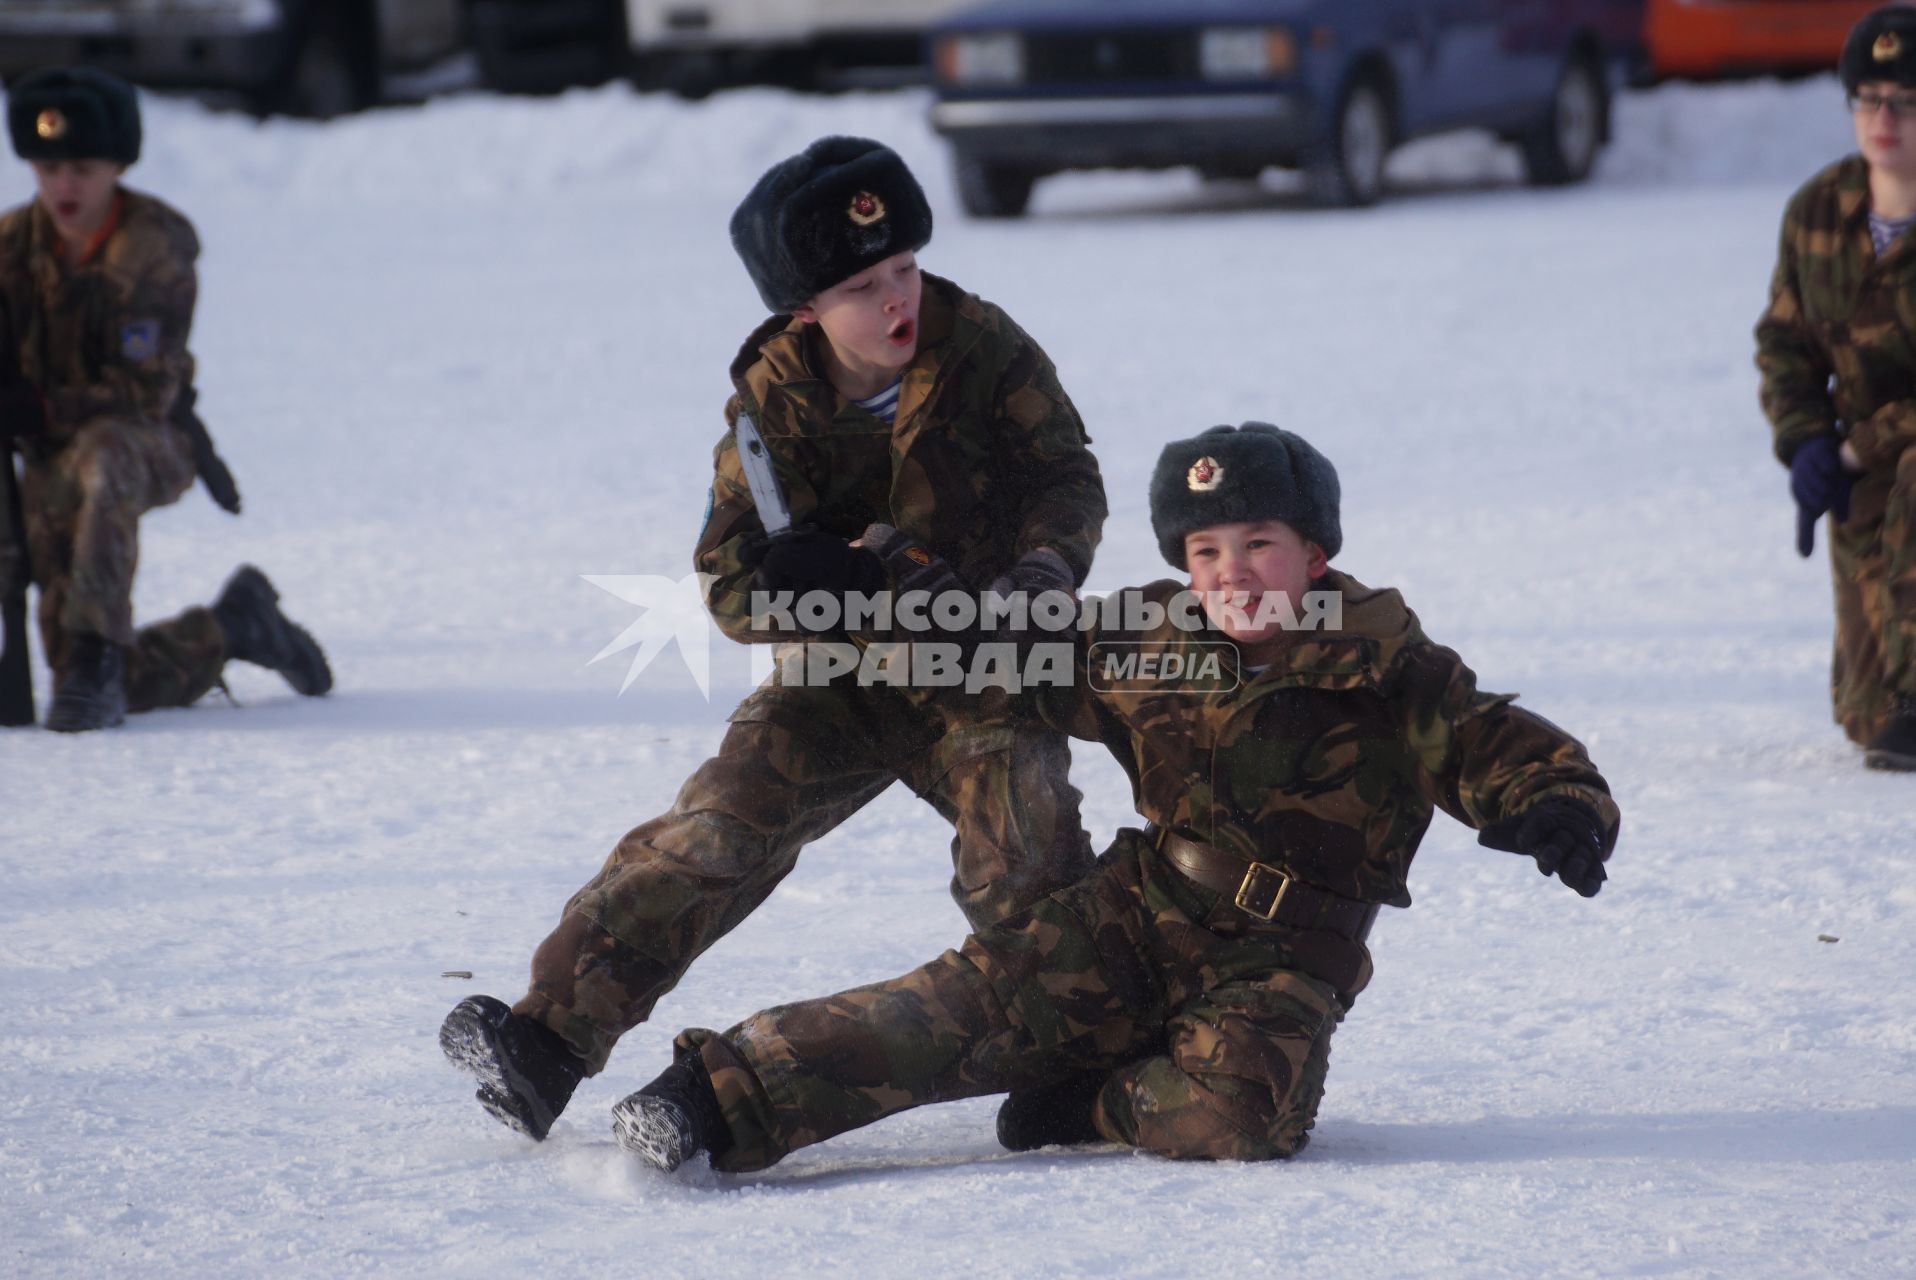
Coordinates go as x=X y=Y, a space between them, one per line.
x=139 y=340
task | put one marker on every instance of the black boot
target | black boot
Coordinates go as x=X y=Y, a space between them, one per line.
x=92 y=692
x=526 y=1070
x=672 y=1119
x=1895 y=747
x=1051 y=1115
x=256 y=631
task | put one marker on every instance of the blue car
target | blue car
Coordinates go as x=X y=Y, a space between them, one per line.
x=1026 y=88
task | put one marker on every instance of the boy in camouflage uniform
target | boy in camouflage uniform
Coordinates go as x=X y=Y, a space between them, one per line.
x=1181 y=998
x=96 y=299
x=885 y=397
x=1839 y=385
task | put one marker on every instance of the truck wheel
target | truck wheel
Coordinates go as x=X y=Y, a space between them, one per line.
x=1564 y=144
x=330 y=68
x=1347 y=167
x=691 y=74
x=990 y=190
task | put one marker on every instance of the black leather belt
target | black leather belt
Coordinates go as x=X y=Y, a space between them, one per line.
x=1266 y=892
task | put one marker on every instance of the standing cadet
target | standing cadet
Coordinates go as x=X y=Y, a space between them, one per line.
x=1181 y=997
x=1837 y=350
x=889 y=397
x=96 y=298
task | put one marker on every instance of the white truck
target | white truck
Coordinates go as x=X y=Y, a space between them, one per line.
x=306 y=57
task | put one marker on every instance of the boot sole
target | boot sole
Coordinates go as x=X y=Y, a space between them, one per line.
x=309 y=652
x=301 y=654
x=471 y=1043
x=66 y=724
x=652 y=1129
x=61 y=719
x=1891 y=761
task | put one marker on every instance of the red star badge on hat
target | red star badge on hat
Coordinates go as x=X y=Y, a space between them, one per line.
x=1205 y=475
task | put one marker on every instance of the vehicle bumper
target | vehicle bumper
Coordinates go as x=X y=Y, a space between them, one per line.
x=1127 y=132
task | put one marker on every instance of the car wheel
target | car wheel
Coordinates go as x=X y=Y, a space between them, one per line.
x=1564 y=145
x=692 y=75
x=989 y=190
x=1348 y=169
x=325 y=74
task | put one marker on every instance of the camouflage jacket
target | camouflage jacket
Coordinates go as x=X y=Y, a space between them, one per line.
x=1838 y=341
x=105 y=337
x=1329 y=761
x=987 y=458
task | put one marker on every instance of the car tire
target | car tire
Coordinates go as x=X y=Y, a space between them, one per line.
x=690 y=74
x=1347 y=167
x=1563 y=146
x=325 y=71
x=993 y=190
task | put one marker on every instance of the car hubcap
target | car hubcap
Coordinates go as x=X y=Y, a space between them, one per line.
x=1577 y=119
x=1363 y=143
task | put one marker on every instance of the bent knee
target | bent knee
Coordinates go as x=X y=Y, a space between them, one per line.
x=1205 y=1133
x=1183 y=1115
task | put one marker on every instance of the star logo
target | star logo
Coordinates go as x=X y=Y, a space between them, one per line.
x=1205 y=475
x=1888 y=47
x=866 y=209
x=671 y=611
x=51 y=124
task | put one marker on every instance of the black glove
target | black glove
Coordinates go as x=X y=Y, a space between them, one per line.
x=1564 y=835
x=1035 y=573
x=212 y=468
x=913 y=570
x=808 y=560
x=22 y=412
x=1819 y=482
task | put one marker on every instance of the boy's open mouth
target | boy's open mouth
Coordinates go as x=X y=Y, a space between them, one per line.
x=902 y=333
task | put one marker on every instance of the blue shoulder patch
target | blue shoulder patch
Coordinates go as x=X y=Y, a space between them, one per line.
x=140 y=340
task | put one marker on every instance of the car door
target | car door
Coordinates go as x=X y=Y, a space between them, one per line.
x=1534 y=40
x=1442 y=51
x=1466 y=83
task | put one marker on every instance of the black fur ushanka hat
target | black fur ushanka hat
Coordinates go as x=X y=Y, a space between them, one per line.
x=74 y=114
x=832 y=210
x=1881 y=46
x=1233 y=475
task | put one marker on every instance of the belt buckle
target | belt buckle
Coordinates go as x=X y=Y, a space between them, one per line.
x=1257 y=878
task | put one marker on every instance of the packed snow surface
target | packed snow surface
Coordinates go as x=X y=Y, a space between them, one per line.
x=464 y=355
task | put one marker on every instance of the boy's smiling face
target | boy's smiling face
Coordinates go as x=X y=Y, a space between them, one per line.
x=1234 y=566
x=871 y=322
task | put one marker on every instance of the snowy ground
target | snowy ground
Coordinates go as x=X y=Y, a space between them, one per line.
x=461 y=356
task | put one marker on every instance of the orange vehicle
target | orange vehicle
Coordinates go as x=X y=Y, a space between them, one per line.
x=1706 y=39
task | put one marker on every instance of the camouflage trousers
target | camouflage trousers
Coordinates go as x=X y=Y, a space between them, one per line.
x=1873 y=564
x=82 y=506
x=794 y=764
x=1214 y=1030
